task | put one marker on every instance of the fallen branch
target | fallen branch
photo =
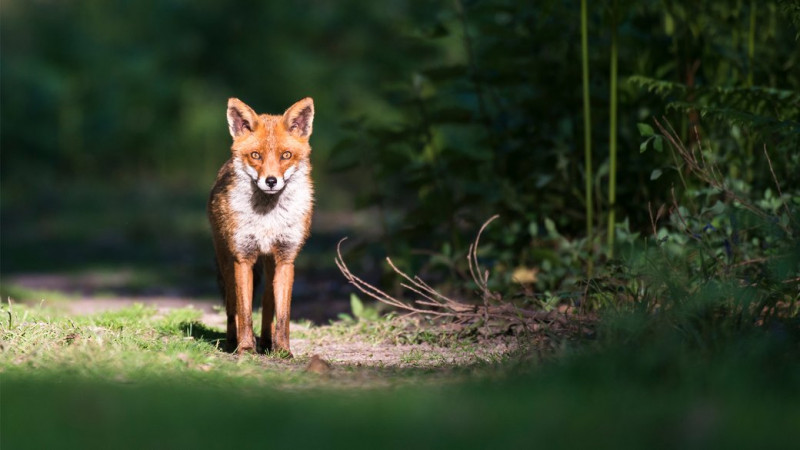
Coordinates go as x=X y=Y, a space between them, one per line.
x=434 y=303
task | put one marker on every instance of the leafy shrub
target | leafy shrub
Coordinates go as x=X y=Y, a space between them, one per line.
x=492 y=128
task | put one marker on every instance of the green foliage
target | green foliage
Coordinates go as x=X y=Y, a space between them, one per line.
x=725 y=269
x=770 y=115
x=791 y=9
x=722 y=267
x=493 y=126
x=454 y=112
x=360 y=313
x=656 y=140
x=119 y=90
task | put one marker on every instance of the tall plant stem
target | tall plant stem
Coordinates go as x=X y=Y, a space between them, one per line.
x=587 y=138
x=751 y=50
x=751 y=43
x=612 y=133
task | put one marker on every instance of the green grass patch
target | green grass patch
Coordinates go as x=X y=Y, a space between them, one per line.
x=525 y=411
x=32 y=296
x=136 y=378
x=134 y=343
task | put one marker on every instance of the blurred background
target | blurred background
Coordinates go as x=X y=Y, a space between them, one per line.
x=430 y=117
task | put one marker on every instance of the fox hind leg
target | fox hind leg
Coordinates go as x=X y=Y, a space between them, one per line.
x=267 y=303
x=226 y=284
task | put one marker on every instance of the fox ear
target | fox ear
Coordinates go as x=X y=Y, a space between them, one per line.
x=299 y=118
x=241 y=118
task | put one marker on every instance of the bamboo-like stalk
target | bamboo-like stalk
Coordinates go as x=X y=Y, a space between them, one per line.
x=612 y=133
x=751 y=43
x=751 y=50
x=587 y=137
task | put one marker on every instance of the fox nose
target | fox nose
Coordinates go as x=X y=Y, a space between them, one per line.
x=271 y=182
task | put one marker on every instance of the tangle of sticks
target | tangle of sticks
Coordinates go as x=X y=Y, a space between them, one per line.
x=433 y=303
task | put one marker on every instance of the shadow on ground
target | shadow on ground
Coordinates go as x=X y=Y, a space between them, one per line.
x=145 y=243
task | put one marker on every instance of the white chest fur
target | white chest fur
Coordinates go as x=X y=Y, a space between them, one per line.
x=265 y=221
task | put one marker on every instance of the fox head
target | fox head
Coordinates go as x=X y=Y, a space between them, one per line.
x=271 y=149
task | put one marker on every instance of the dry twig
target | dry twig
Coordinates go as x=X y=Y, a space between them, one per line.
x=434 y=303
x=702 y=169
x=778 y=185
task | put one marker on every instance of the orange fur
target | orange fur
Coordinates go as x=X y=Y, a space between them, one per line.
x=260 y=209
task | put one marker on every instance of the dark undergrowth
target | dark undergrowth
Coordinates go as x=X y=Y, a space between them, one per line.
x=646 y=394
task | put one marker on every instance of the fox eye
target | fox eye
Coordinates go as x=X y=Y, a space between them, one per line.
x=255 y=155
x=286 y=155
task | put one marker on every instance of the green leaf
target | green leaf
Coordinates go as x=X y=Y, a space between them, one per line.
x=371 y=314
x=645 y=130
x=345 y=317
x=654 y=175
x=550 y=226
x=533 y=229
x=669 y=24
x=643 y=145
x=356 y=306
x=784 y=220
x=717 y=209
x=658 y=143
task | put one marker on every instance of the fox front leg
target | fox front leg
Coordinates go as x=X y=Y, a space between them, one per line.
x=284 y=278
x=243 y=276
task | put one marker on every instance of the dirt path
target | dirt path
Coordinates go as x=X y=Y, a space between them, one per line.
x=92 y=292
x=84 y=306
x=307 y=341
x=329 y=346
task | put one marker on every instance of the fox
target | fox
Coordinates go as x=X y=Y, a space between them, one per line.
x=260 y=209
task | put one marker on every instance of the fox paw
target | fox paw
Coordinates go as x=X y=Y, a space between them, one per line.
x=246 y=347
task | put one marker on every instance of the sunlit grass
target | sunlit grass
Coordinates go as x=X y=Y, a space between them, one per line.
x=134 y=379
x=134 y=343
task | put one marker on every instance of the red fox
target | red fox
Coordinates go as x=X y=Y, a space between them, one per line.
x=260 y=209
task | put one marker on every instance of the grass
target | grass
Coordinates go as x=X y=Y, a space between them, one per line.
x=14 y=290
x=139 y=343
x=514 y=413
x=134 y=343
x=36 y=339
x=135 y=378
